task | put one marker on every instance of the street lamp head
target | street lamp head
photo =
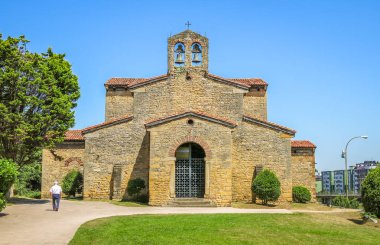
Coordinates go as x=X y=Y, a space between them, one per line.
x=364 y=137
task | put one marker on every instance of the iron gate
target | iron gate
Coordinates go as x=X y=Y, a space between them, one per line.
x=190 y=177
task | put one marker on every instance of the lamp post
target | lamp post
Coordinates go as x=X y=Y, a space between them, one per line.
x=344 y=155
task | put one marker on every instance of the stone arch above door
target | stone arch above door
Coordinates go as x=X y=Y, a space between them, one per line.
x=195 y=139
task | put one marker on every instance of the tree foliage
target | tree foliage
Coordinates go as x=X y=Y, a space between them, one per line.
x=28 y=181
x=266 y=186
x=37 y=95
x=371 y=192
x=72 y=183
x=301 y=194
x=3 y=202
x=8 y=174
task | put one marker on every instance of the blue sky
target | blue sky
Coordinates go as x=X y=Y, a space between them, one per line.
x=320 y=58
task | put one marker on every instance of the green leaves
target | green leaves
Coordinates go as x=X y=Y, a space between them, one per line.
x=371 y=192
x=37 y=95
x=8 y=174
x=267 y=186
x=72 y=183
x=301 y=194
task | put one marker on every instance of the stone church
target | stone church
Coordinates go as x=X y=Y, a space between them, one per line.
x=189 y=134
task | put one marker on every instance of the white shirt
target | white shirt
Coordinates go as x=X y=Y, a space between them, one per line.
x=55 y=189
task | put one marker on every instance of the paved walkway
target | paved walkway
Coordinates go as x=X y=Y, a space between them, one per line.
x=34 y=222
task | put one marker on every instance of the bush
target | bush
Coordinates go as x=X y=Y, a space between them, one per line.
x=301 y=194
x=8 y=173
x=266 y=186
x=343 y=202
x=33 y=194
x=371 y=192
x=135 y=186
x=3 y=202
x=72 y=183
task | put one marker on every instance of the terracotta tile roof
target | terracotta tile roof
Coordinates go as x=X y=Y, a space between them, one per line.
x=107 y=124
x=269 y=124
x=74 y=135
x=133 y=82
x=198 y=114
x=302 y=144
x=247 y=82
x=136 y=82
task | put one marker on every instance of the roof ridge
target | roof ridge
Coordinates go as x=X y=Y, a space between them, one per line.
x=114 y=121
x=302 y=144
x=181 y=114
x=271 y=124
x=248 y=82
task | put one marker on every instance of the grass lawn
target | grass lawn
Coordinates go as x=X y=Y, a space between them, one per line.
x=291 y=206
x=336 y=228
x=128 y=203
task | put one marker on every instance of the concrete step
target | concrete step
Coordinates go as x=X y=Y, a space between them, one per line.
x=191 y=202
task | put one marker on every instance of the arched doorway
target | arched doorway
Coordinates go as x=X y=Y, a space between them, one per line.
x=190 y=171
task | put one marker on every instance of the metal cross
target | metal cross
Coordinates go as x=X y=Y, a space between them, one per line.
x=188 y=24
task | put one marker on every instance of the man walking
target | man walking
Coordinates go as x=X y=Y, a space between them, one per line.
x=56 y=192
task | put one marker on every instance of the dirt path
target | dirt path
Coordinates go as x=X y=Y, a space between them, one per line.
x=34 y=222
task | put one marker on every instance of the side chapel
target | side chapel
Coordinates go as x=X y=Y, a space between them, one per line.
x=187 y=134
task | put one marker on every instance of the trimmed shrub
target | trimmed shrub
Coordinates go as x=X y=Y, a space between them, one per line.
x=301 y=194
x=135 y=186
x=343 y=202
x=266 y=186
x=8 y=173
x=3 y=202
x=371 y=192
x=72 y=183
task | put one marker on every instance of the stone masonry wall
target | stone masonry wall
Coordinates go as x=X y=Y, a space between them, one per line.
x=118 y=103
x=215 y=140
x=113 y=156
x=67 y=156
x=255 y=145
x=126 y=146
x=303 y=169
x=178 y=94
x=255 y=104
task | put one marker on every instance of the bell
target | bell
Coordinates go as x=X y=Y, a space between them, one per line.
x=179 y=49
x=179 y=59
x=196 y=58
x=196 y=49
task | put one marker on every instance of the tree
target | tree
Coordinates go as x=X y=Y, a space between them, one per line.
x=37 y=95
x=72 y=183
x=267 y=186
x=371 y=192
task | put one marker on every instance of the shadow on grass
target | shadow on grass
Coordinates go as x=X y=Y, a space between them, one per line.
x=22 y=200
x=357 y=221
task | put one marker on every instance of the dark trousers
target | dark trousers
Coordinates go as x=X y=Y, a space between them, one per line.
x=56 y=199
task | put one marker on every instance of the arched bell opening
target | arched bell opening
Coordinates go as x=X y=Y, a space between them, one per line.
x=196 y=54
x=179 y=54
x=190 y=171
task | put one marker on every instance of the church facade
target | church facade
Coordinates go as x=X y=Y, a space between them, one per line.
x=187 y=134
